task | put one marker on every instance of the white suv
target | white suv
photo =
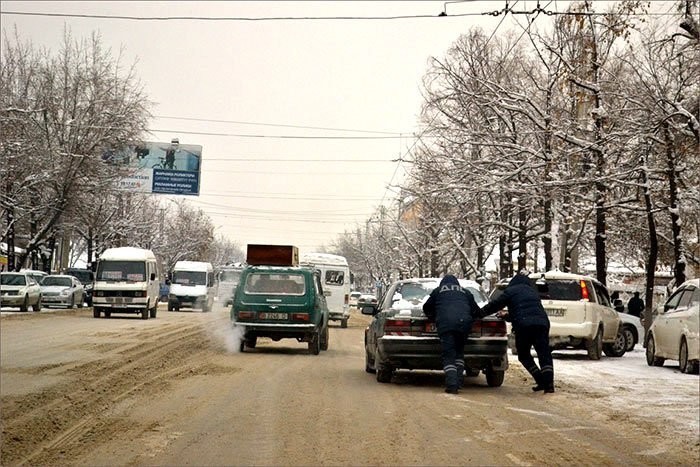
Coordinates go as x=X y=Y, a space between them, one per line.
x=580 y=314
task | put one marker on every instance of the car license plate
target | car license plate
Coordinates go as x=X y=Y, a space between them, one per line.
x=430 y=327
x=273 y=315
x=555 y=312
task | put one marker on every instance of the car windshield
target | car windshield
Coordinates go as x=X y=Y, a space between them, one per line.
x=13 y=279
x=275 y=284
x=83 y=276
x=190 y=278
x=121 y=271
x=52 y=280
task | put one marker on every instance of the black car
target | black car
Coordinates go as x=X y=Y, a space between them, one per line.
x=401 y=337
x=87 y=278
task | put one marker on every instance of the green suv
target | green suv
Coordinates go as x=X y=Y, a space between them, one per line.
x=281 y=302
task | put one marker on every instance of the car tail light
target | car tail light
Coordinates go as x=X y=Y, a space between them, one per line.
x=300 y=317
x=584 y=290
x=246 y=315
x=397 y=327
x=493 y=328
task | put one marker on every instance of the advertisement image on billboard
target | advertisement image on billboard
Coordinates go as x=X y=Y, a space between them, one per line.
x=167 y=168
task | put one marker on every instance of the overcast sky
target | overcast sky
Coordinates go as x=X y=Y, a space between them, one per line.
x=275 y=79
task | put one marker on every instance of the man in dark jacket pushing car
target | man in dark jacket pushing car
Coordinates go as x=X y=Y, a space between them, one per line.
x=531 y=328
x=453 y=309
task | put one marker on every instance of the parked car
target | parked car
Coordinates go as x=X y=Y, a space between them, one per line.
x=352 y=301
x=87 y=278
x=19 y=289
x=36 y=274
x=632 y=329
x=366 y=299
x=580 y=314
x=62 y=290
x=673 y=335
x=400 y=336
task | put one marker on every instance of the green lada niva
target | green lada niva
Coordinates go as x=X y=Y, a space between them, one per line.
x=281 y=302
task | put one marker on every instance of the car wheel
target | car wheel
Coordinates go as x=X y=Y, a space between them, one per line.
x=494 y=378
x=315 y=344
x=37 y=305
x=170 y=307
x=344 y=323
x=683 y=356
x=251 y=342
x=324 y=339
x=72 y=302
x=241 y=346
x=617 y=348
x=652 y=359
x=95 y=312
x=629 y=338
x=369 y=364
x=595 y=347
x=154 y=311
x=144 y=313
x=384 y=372
x=108 y=314
x=80 y=302
x=25 y=305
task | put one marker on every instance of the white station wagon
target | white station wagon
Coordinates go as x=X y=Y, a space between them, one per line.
x=674 y=333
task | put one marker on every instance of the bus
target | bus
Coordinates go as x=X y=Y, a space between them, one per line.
x=336 y=280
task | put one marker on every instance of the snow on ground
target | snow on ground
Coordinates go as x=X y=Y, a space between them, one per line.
x=629 y=386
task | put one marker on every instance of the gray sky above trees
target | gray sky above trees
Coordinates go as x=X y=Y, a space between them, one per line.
x=301 y=121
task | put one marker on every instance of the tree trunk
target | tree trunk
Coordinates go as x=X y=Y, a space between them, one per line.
x=679 y=259
x=653 y=255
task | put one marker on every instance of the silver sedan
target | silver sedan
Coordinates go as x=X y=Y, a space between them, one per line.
x=62 y=290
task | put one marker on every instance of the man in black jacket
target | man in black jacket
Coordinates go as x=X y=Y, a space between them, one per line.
x=531 y=328
x=635 y=306
x=453 y=309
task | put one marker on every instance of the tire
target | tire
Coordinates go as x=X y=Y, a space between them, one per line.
x=241 y=346
x=25 y=305
x=617 y=348
x=344 y=323
x=95 y=312
x=324 y=339
x=108 y=314
x=37 y=305
x=251 y=342
x=154 y=311
x=170 y=308
x=369 y=368
x=384 y=372
x=595 y=346
x=652 y=359
x=144 y=313
x=629 y=338
x=315 y=344
x=494 y=378
x=72 y=302
x=683 y=356
x=80 y=302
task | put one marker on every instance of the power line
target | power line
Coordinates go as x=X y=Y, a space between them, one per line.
x=238 y=122
x=234 y=18
x=244 y=135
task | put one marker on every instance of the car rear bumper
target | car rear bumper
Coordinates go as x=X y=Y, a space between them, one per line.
x=559 y=331
x=338 y=316
x=275 y=330
x=415 y=353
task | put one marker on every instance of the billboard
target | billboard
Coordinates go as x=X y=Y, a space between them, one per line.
x=167 y=168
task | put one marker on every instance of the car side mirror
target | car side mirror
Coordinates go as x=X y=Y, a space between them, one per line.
x=153 y=276
x=369 y=310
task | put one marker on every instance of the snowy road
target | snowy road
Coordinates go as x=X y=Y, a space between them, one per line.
x=173 y=391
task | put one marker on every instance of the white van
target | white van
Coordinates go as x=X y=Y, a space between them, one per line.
x=335 y=276
x=192 y=284
x=228 y=278
x=126 y=281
